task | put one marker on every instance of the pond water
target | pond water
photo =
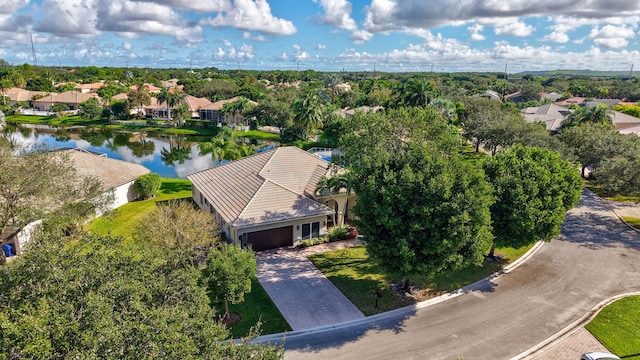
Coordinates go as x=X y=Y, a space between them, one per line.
x=170 y=156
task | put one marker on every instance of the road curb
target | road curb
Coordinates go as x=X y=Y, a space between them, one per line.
x=279 y=337
x=570 y=329
x=613 y=211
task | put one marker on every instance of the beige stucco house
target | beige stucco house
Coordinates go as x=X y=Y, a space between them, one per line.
x=268 y=200
x=72 y=99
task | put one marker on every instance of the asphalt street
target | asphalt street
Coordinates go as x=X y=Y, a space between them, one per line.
x=595 y=258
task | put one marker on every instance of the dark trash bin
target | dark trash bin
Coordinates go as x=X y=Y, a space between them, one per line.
x=8 y=250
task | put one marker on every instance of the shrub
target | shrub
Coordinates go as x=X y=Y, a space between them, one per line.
x=338 y=233
x=147 y=185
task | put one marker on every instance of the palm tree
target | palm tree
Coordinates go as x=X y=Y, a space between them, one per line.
x=224 y=147
x=334 y=184
x=172 y=99
x=417 y=92
x=308 y=112
x=599 y=114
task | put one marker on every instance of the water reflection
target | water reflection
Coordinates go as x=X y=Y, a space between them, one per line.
x=171 y=156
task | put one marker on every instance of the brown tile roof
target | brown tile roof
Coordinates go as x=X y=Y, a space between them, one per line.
x=267 y=187
x=67 y=97
x=552 y=115
x=111 y=172
x=18 y=94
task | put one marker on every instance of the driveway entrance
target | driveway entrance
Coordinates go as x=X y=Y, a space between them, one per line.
x=304 y=296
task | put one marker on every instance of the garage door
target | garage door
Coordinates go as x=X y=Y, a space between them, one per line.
x=272 y=238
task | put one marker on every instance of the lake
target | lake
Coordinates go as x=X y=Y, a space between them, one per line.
x=170 y=156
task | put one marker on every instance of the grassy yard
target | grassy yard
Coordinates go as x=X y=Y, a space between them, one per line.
x=122 y=223
x=359 y=277
x=72 y=120
x=608 y=196
x=257 y=134
x=635 y=222
x=618 y=329
x=257 y=305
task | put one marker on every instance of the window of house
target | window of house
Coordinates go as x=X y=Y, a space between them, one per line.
x=201 y=199
x=310 y=230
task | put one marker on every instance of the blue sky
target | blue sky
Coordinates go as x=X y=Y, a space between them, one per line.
x=325 y=35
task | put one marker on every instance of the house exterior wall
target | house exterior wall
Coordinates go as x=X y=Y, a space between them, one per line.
x=124 y=194
x=24 y=236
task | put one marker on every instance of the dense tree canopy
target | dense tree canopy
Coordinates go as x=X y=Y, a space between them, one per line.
x=100 y=298
x=534 y=189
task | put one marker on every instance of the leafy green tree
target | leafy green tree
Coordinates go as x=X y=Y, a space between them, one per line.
x=619 y=175
x=534 y=189
x=31 y=182
x=422 y=211
x=58 y=109
x=90 y=109
x=273 y=112
x=229 y=272
x=120 y=109
x=592 y=143
x=180 y=229
x=478 y=113
x=420 y=208
x=138 y=97
x=148 y=185
x=102 y=298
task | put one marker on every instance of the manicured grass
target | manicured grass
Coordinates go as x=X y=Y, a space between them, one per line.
x=53 y=120
x=608 y=196
x=257 y=134
x=635 y=222
x=618 y=329
x=123 y=221
x=257 y=306
x=359 y=277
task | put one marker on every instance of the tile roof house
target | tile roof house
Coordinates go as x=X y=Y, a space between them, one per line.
x=626 y=124
x=552 y=115
x=213 y=112
x=268 y=199
x=158 y=110
x=16 y=95
x=89 y=88
x=72 y=99
x=116 y=175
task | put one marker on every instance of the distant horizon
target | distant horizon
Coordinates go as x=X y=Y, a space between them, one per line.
x=325 y=35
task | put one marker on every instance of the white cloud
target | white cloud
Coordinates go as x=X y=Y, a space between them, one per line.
x=321 y=47
x=252 y=15
x=337 y=13
x=558 y=37
x=517 y=28
x=68 y=18
x=249 y=36
x=474 y=32
x=611 y=36
x=127 y=45
x=202 y=6
x=11 y=6
x=230 y=52
x=360 y=36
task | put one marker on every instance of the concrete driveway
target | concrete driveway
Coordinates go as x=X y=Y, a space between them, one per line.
x=304 y=296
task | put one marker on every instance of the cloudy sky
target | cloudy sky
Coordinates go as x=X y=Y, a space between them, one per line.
x=325 y=35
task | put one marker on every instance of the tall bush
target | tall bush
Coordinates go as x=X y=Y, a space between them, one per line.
x=147 y=185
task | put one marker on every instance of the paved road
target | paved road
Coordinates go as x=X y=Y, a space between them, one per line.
x=595 y=258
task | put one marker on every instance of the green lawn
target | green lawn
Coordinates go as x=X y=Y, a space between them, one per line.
x=635 y=222
x=618 y=329
x=53 y=120
x=258 y=307
x=122 y=223
x=257 y=134
x=358 y=277
x=608 y=196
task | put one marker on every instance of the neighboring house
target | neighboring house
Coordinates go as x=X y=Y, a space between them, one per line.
x=489 y=94
x=348 y=113
x=116 y=175
x=608 y=102
x=89 y=88
x=571 y=101
x=626 y=124
x=552 y=115
x=158 y=110
x=17 y=95
x=72 y=99
x=552 y=96
x=213 y=112
x=268 y=199
x=152 y=89
x=514 y=97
